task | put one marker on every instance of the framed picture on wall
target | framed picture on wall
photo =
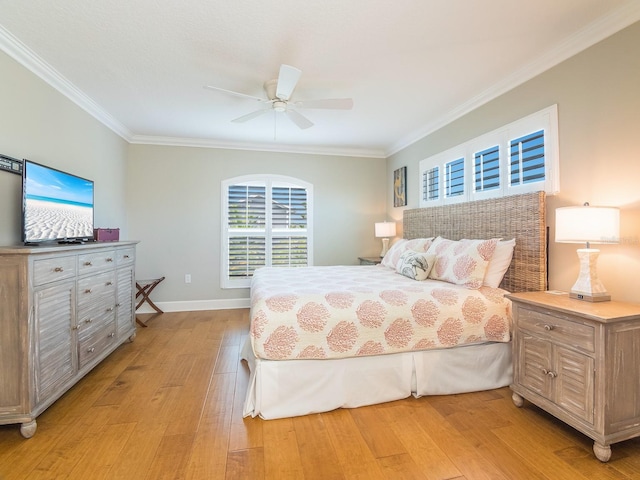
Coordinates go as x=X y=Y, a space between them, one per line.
x=400 y=187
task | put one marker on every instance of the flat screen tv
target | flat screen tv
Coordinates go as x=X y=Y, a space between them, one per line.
x=56 y=206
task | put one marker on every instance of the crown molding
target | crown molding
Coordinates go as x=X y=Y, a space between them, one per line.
x=261 y=147
x=22 y=54
x=588 y=36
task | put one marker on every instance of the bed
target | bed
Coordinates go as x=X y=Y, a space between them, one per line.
x=323 y=338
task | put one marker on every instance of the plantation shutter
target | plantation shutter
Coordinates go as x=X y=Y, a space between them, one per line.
x=247 y=229
x=527 y=162
x=486 y=175
x=431 y=184
x=454 y=181
x=289 y=227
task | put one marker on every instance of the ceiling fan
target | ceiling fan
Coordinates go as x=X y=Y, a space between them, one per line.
x=278 y=99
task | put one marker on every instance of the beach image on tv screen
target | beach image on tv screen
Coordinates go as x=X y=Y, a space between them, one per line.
x=57 y=205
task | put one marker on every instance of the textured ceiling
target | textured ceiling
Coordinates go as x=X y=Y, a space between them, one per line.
x=410 y=66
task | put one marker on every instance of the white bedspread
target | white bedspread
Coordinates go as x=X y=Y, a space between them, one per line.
x=355 y=311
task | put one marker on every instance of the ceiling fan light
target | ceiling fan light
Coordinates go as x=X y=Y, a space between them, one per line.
x=279 y=106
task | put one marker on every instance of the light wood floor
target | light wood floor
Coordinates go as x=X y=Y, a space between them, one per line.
x=169 y=406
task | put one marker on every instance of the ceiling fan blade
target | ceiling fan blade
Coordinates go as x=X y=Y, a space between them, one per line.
x=330 y=103
x=251 y=115
x=300 y=120
x=287 y=81
x=237 y=94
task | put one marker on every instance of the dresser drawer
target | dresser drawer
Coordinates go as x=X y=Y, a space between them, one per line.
x=96 y=295
x=95 y=262
x=48 y=270
x=557 y=330
x=93 y=346
x=125 y=256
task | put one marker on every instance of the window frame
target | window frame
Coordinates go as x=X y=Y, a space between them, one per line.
x=269 y=181
x=545 y=120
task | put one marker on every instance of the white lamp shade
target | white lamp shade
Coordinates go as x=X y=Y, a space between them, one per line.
x=587 y=224
x=385 y=229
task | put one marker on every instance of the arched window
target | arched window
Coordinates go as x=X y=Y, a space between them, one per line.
x=266 y=221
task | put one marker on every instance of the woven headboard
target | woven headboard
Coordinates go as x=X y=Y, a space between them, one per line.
x=519 y=216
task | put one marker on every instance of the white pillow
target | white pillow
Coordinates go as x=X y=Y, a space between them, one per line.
x=499 y=263
x=415 y=265
x=393 y=254
x=398 y=248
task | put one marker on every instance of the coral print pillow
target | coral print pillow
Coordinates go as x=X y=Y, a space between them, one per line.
x=415 y=265
x=462 y=262
x=392 y=257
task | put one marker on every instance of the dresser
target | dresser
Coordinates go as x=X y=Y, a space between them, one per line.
x=63 y=310
x=580 y=362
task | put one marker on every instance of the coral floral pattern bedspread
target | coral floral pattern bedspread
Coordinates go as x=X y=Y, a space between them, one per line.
x=346 y=311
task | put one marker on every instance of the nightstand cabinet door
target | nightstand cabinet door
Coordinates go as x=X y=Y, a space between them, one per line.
x=574 y=385
x=534 y=361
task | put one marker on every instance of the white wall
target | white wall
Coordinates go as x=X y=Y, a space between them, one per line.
x=174 y=209
x=38 y=123
x=599 y=124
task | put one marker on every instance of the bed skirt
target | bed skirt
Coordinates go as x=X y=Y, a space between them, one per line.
x=289 y=388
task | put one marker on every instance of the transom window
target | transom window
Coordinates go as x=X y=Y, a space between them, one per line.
x=517 y=158
x=266 y=222
x=454 y=181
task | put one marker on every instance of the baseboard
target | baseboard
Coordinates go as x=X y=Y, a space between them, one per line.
x=194 y=305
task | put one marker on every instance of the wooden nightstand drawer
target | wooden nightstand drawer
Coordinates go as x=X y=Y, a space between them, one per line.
x=557 y=329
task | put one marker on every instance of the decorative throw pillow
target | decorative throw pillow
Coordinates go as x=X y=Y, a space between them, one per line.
x=398 y=248
x=462 y=262
x=499 y=263
x=415 y=265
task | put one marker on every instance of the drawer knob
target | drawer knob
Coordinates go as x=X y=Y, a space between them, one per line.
x=58 y=269
x=88 y=320
x=87 y=264
x=109 y=284
x=110 y=309
x=88 y=290
x=109 y=259
x=111 y=335
x=126 y=256
x=91 y=350
x=548 y=328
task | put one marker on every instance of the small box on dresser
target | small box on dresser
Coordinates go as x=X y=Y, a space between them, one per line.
x=106 y=234
x=63 y=310
x=580 y=362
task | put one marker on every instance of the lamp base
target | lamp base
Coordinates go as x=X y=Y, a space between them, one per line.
x=588 y=286
x=385 y=247
x=590 y=298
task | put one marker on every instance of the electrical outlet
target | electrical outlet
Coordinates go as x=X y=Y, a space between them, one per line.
x=187 y=278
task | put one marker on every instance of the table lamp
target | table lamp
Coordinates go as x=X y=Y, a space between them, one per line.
x=588 y=225
x=385 y=230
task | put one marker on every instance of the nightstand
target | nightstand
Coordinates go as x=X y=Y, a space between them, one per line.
x=370 y=260
x=580 y=362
